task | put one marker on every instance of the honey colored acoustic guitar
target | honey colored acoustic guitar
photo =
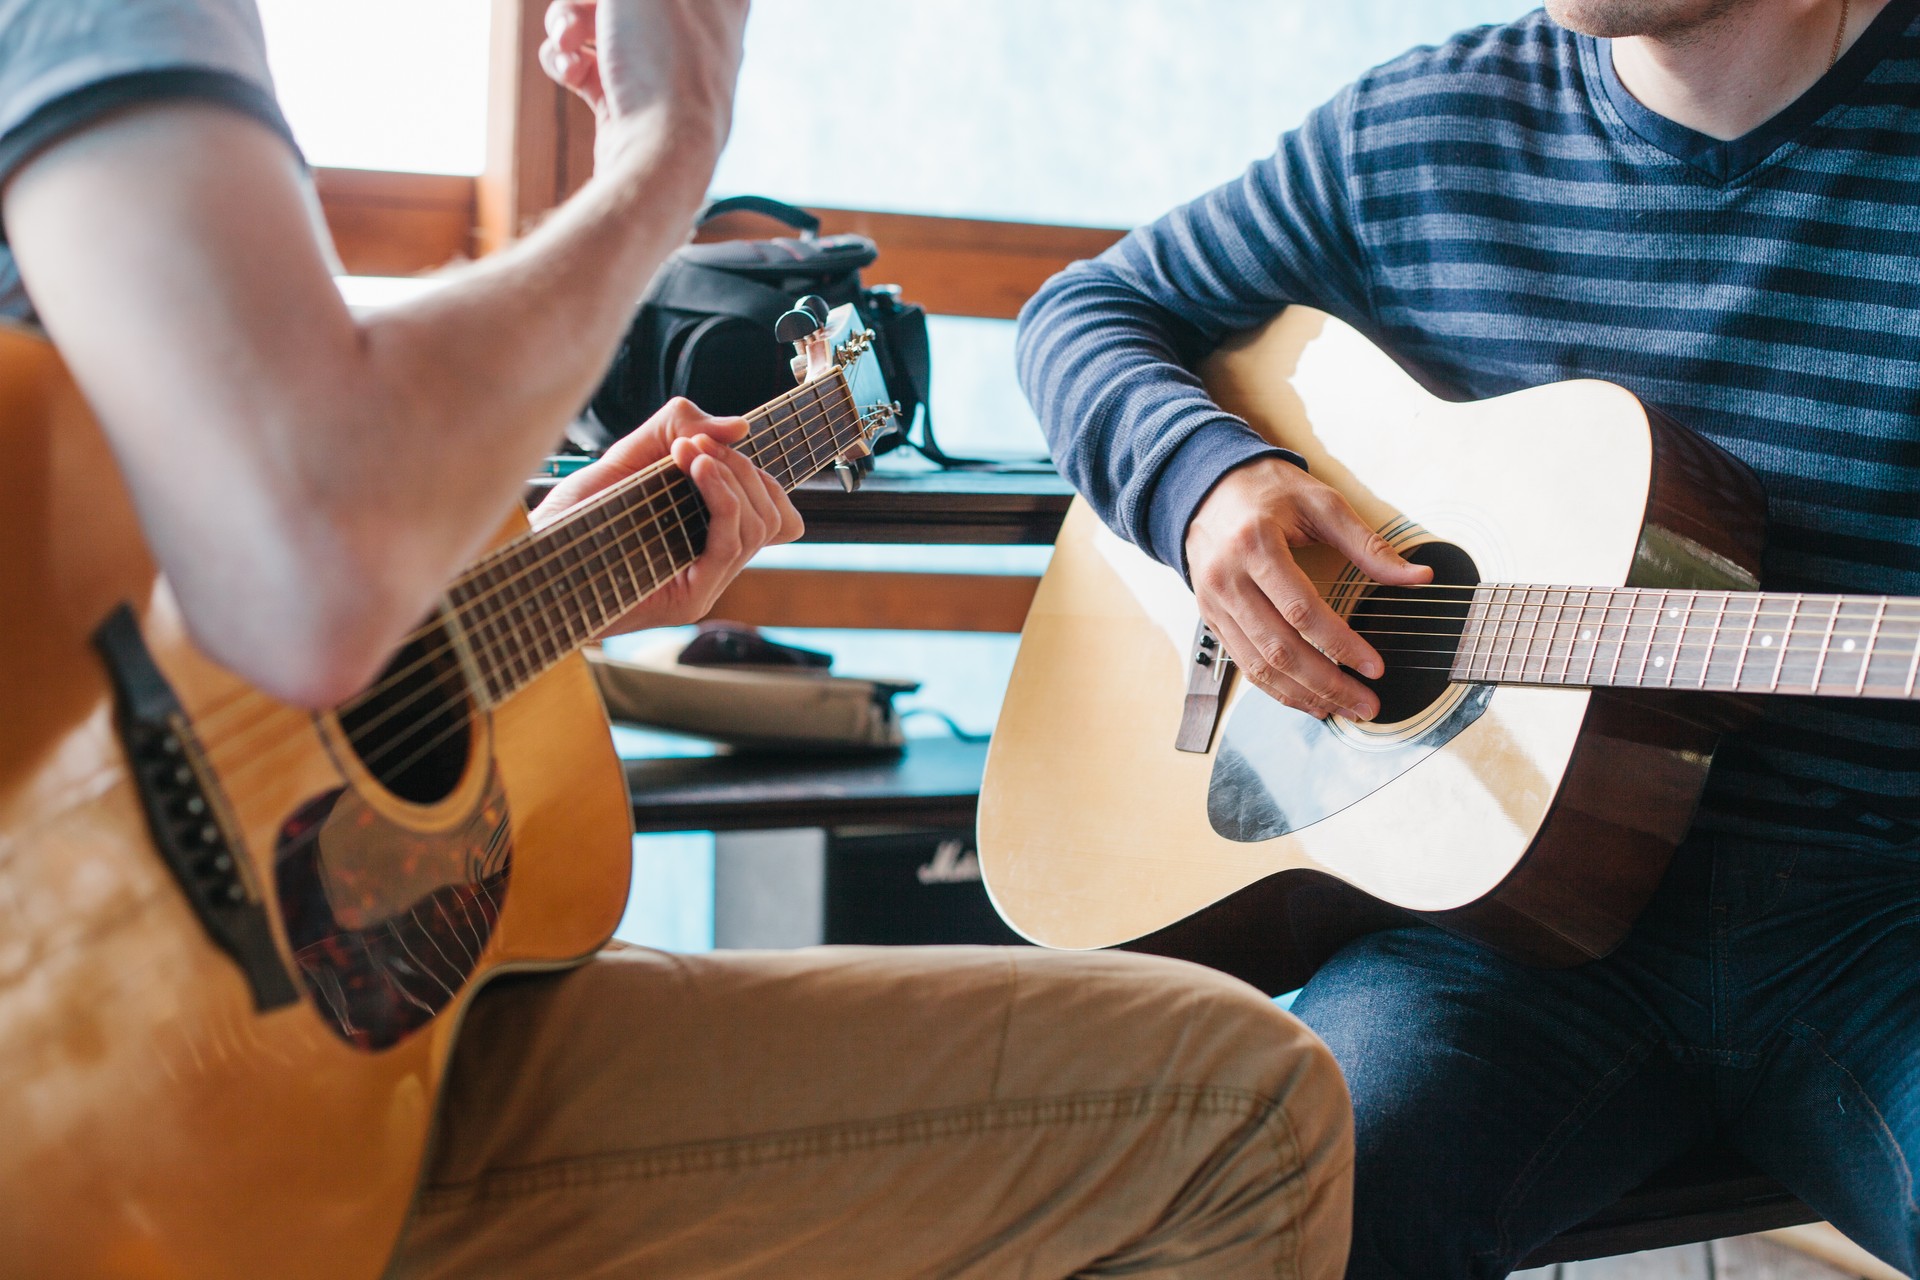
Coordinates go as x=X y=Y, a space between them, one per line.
x=1551 y=705
x=236 y=937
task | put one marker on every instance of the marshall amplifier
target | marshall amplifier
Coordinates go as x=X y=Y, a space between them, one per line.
x=887 y=886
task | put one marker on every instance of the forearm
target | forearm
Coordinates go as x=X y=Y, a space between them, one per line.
x=1108 y=348
x=1109 y=371
x=488 y=368
x=309 y=482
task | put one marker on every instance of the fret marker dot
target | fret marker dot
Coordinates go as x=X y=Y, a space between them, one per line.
x=1766 y=642
x=1847 y=646
x=1659 y=662
x=1586 y=635
x=1673 y=613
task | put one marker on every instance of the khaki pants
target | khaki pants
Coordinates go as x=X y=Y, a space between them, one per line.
x=887 y=1113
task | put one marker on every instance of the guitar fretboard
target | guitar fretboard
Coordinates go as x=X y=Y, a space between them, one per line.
x=1717 y=641
x=543 y=595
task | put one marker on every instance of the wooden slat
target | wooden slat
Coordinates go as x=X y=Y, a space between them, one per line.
x=1823 y=1241
x=396 y=224
x=882 y=601
x=932 y=783
x=953 y=508
x=950 y=266
x=406 y=223
x=539 y=136
x=971 y=508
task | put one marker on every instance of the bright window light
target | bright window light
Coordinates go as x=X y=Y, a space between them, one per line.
x=383 y=84
x=1100 y=114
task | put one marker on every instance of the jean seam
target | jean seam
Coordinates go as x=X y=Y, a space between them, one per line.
x=1603 y=1088
x=610 y=1168
x=1818 y=1041
x=1719 y=950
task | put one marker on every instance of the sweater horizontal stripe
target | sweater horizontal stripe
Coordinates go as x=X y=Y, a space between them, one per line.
x=1497 y=212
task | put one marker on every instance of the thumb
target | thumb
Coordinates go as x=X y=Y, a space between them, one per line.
x=677 y=419
x=682 y=419
x=1340 y=527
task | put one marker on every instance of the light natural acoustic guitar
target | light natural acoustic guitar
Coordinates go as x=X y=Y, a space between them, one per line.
x=1549 y=712
x=236 y=938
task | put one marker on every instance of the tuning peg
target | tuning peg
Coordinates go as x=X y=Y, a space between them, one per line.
x=796 y=325
x=817 y=305
x=849 y=475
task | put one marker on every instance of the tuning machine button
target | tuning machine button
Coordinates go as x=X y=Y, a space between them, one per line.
x=808 y=317
x=796 y=326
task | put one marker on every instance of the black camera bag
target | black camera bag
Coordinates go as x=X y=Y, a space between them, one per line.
x=704 y=329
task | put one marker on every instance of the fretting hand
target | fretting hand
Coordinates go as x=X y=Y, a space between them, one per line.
x=746 y=508
x=1262 y=606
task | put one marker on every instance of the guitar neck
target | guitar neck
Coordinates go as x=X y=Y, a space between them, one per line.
x=1714 y=641
x=544 y=594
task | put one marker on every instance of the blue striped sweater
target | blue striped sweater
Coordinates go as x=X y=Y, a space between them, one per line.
x=1499 y=212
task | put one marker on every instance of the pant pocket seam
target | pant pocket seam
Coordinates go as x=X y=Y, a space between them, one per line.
x=841 y=1139
x=1603 y=1088
x=1811 y=1035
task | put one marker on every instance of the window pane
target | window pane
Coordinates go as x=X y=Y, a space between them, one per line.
x=383 y=84
x=1046 y=110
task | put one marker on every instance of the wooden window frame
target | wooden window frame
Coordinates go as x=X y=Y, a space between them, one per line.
x=540 y=150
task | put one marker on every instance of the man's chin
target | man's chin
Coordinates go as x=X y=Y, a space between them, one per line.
x=1607 y=19
x=1617 y=19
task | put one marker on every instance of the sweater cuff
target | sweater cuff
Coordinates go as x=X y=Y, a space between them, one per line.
x=1189 y=475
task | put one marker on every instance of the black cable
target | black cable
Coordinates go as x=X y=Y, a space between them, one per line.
x=929 y=448
x=953 y=726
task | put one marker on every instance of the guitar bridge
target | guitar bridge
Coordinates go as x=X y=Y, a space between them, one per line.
x=1206 y=678
x=184 y=813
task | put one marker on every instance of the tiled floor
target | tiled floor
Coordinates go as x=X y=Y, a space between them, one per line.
x=1744 y=1259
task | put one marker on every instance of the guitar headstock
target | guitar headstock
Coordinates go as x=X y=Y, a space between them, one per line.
x=860 y=364
x=844 y=344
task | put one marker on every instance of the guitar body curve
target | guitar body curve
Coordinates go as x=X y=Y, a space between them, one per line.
x=1534 y=819
x=165 y=1116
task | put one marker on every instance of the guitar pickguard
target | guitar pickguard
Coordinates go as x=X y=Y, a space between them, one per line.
x=388 y=924
x=1271 y=750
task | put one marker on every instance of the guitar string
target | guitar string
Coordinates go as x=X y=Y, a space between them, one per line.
x=780 y=436
x=1516 y=624
x=657 y=469
x=1501 y=622
x=1504 y=677
x=460 y=720
x=681 y=503
x=291 y=723
x=456 y=720
x=543 y=539
x=485 y=620
x=1908 y=690
x=1532 y=626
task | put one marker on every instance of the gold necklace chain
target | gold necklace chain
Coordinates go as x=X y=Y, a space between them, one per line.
x=1840 y=34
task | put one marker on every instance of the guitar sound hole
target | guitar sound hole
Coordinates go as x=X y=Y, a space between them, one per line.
x=412 y=728
x=1417 y=631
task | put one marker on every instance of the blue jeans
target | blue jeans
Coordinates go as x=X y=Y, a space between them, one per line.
x=1769 y=997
